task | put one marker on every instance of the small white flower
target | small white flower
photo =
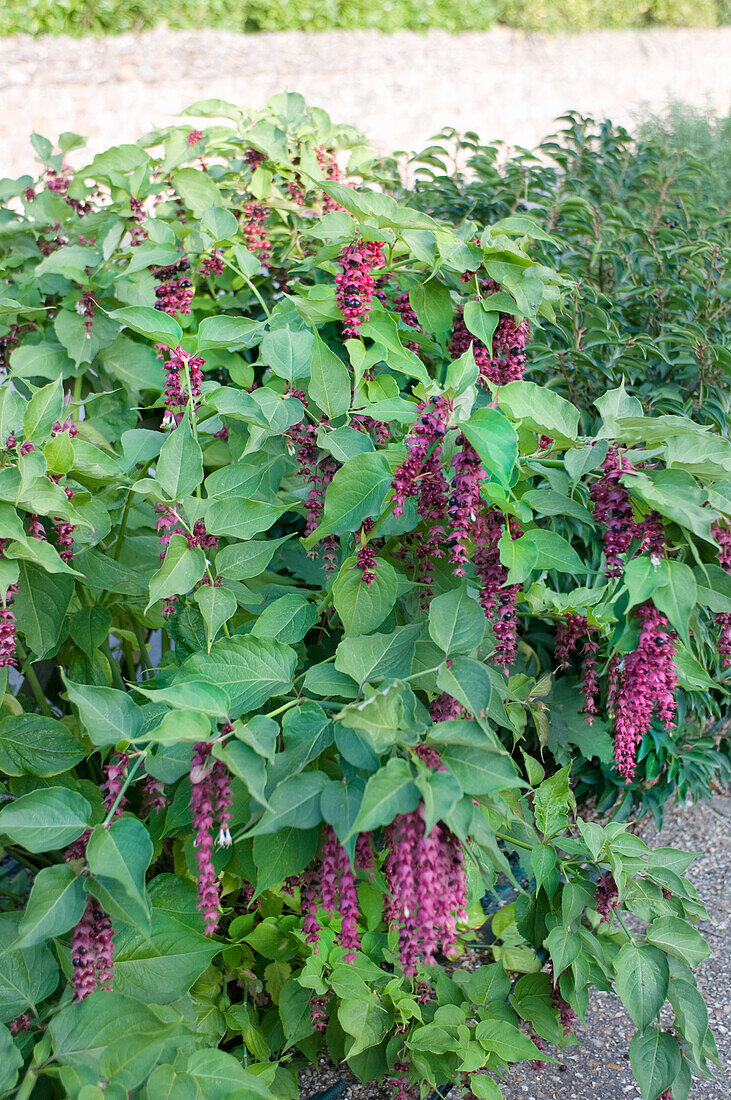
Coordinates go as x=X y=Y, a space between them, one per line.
x=224 y=837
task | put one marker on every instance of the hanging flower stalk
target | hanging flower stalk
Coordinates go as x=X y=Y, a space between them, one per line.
x=643 y=684
x=613 y=510
x=92 y=952
x=210 y=801
x=356 y=284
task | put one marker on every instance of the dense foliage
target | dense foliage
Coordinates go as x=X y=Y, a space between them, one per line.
x=638 y=224
x=113 y=16
x=313 y=599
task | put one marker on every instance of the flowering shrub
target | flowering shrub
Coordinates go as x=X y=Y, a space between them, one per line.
x=637 y=223
x=295 y=597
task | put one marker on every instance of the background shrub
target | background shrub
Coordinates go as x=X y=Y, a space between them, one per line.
x=78 y=17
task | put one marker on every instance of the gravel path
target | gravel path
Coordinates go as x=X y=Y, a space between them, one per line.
x=399 y=88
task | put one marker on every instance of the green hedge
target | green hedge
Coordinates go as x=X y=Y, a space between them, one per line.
x=104 y=16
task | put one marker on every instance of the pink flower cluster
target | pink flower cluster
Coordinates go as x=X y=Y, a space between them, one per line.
x=508 y=359
x=356 y=284
x=569 y=632
x=402 y=306
x=255 y=230
x=445 y=708
x=606 y=897
x=498 y=599
x=114 y=775
x=421 y=476
x=213 y=263
x=645 y=683
x=183 y=380
x=175 y=291
x=333 y=884
x=425 y=877
x=365 y=558
x=86 y=308
x=210 y=801
x=194 y=137
x=465 y=503
x=92 y=951
x=329 y=165
x=8 y=629
x=613 y=509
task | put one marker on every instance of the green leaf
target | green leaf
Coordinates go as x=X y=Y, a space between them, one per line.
x=250 y=670
x=432 y=304
x=287 y=618
x=505 y=1040
x=107 y=714
x=481 y=321
x=285 y=853
x=677 y=937
x=642 y=977
x=122 y=852
x=220 y=1076
x=456 y=621
x=31 y=744
x=362 y=607
x=642 y=578
x=294 y=1012
x=55 y=905
x=675 y=495
x=496 y=442
x=356 y=492
x=152 y=323
x=678 y=597
x=180 y=465
x=247 y=559
x=191 y=694
x=294 y=802
x=11 y=1060
x=289 y=353
x=40 y=608
x=547 y=502
x=365 y=1021
x=181 y=569
x=483 y=770
x=564 y=946
x=161 y=965
x=240 y=518
x=27 y=976
x=46 y=819
x=247 y=764
x=552 y=801
x=377 y=656
x=228 y=332
x=538 y=549
x=541 y=410
x=467 y=681
x=217 y=605
x=390 y=791
x=655 y=1060
x=70 y=261
x=330 y=380
x=197 y=190
x=82 y=1032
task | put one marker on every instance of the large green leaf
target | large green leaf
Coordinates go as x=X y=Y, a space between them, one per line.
x=46 y=819
x=122 y=853
x=540 y=409
x=55 y=905
x=160 y=966
x=357 y=492
x=107 y=714
x=330 y=383
x=362 y=607
x=390 y=791
x=680 y=938
x=250 y=670
x=496 y=442
x=181 y=569
x=378 y=656
x=35 y=745
x=180 y=465
x=456 y=621
x=655 y=1060
x=295 y=802
x=27 y=976
x=40 y=608
x=642 y=980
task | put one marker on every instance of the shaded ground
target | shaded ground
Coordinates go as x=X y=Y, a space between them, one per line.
x=400 y=89
x=599 y=1067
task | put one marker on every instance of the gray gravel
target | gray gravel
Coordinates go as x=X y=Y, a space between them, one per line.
x=399 y=88
x=599 y=1067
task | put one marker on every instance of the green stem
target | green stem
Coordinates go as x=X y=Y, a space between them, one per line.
x=32 y=679
x=125 y=513
x=281 y=710
x=27 y=1085
x=113 y=665
x=144 y=659
x=250 y=285
x=127 y=780
x=512 y=840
